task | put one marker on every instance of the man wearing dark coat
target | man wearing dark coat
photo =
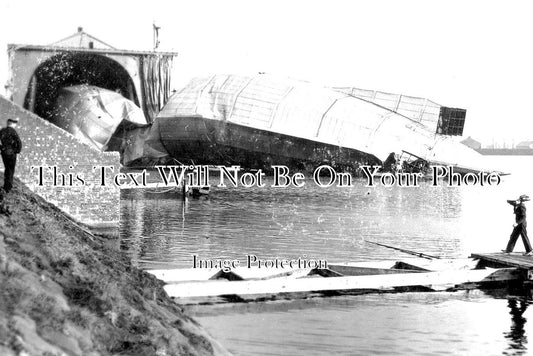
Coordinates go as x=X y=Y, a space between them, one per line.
x=10 y=147
x=520 y=227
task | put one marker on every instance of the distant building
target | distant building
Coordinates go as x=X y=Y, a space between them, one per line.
x=503 y=148
x=525 y=144
x=470 y=142
x=437 y=118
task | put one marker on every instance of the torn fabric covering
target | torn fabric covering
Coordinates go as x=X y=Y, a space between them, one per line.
x=93 y=114
x=141 y=143
x=299 y=109
x=155 y=82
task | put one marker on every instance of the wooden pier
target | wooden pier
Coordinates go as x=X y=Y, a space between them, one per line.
x=502 y=260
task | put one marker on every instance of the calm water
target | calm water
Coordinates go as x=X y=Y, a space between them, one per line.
x=160 y=231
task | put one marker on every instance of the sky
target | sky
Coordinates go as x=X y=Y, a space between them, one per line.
x=476 y=55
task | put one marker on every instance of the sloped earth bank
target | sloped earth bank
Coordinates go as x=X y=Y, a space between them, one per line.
x=63 y=292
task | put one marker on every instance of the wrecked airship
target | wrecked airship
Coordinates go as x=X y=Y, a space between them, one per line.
x=259 y=121
x=255 y=122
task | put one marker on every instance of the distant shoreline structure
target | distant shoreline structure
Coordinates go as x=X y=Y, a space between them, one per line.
x=505 y=151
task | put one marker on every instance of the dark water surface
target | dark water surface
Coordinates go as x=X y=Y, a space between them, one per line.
x=461 y=323
x=161 y=231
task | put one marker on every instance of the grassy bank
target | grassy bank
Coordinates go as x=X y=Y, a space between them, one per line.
x=64 y=291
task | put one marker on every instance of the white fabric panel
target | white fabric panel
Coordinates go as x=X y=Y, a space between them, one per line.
x=93 y=114
x=418 y=109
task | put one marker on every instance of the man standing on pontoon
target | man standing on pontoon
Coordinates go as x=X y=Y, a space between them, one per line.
x=519 y=228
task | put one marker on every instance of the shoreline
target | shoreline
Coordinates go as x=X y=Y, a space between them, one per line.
x=64 y=291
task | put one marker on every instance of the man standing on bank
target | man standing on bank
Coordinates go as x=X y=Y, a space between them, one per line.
x=11 y=146
x=519 y=228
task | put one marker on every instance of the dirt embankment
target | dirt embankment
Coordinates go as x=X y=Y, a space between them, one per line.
x=63 y=292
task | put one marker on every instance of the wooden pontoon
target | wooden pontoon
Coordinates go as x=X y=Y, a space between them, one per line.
x=253 y=284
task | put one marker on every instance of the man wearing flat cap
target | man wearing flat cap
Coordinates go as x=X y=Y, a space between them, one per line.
x=11 y=147
x=519 y=228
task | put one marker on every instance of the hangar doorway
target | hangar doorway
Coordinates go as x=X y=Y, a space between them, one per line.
x=71 y=68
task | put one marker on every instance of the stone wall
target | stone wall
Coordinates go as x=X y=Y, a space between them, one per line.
x=76 y=187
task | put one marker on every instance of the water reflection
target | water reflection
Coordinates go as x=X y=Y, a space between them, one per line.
x=461 y=323
x=331 y=224
x=517 y=335
x=162 y=231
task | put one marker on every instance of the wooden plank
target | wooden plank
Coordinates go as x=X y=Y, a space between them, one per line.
x=376 y=282
x=203 y=274
x=366 y=271
x=511 y=260
x=430 y=265
x=199 y=274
